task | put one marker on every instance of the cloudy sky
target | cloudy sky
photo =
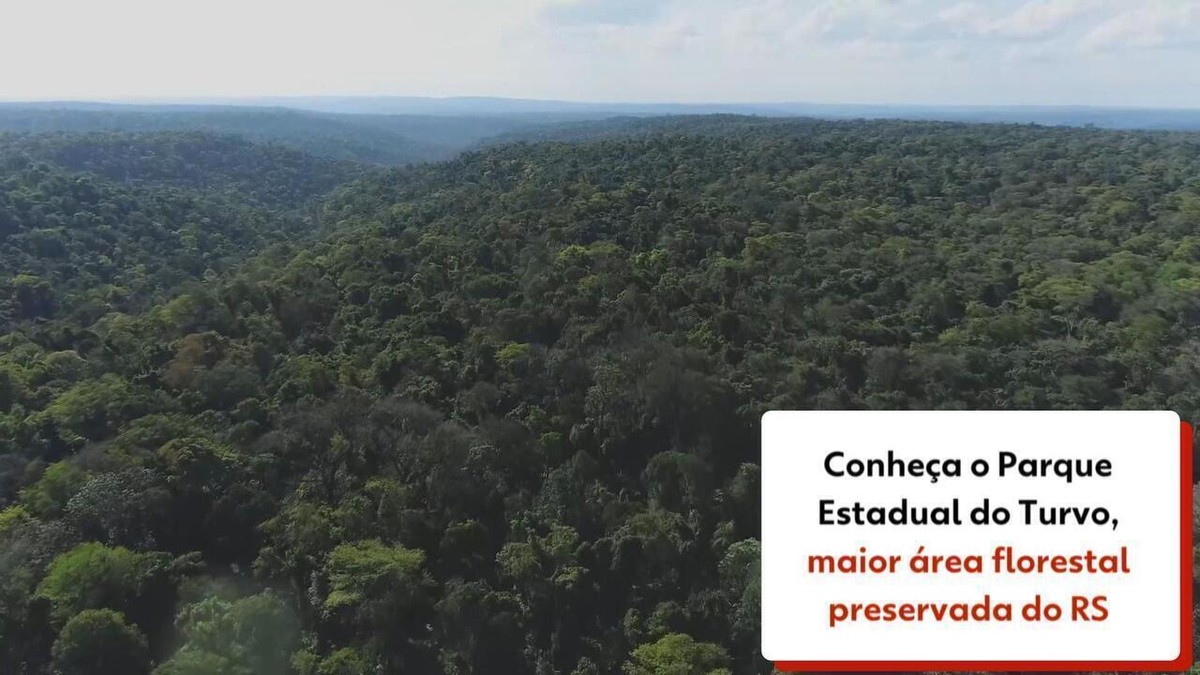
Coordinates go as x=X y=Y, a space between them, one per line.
x=1097 y=52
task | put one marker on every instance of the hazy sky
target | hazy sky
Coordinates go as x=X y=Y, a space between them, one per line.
x=1100 y=52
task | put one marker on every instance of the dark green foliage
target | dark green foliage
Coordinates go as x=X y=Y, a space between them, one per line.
x=374 y=139
x=272 y=175
x=502 y=415
x=99 y=642
x=152 y=213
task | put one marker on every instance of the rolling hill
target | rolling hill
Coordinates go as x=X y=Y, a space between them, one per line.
x=499 y=413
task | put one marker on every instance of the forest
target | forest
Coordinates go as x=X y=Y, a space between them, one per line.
x=385 y=139
x=264 y=412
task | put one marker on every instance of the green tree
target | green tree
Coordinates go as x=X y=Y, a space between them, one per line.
x=677 y=654
x=254 y=635
x=94 y=576
x=100 y=642
x=384 y=593
x=48 y=497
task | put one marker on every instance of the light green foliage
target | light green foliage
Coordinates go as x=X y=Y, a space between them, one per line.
x=94 y=576
x=512 y=352
x=368 y=570
x=11 y=517
x=254 y=635
x=677 y=654
x=189 y=661
x=95 y=409
x=344 y=662
x=48 y=497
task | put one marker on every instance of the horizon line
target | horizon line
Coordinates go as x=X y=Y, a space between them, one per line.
x=233 y=100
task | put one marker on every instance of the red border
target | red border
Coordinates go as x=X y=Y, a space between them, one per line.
x=1180 y=664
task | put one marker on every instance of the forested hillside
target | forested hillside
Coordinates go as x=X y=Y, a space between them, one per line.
x=376 y=139
x=94 y=223
x=270 y=174
x=331 y=136
x=502 y=417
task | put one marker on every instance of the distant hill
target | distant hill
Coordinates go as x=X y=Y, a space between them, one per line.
x=633 y=126
x=734 y=126
x=335 y=137
x=96 y=223
x=548 y=111
x=270 y=174
x=457 y=132
x=398 y=131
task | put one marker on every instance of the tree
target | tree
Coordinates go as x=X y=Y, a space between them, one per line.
x=344 y=662
x=124 y=508
x=93 y=576
x=188 y=661
x=100 y=642
x=48 y=497
x=254 y=635
x=382 y=592
x=677 y=654
x=33 y=296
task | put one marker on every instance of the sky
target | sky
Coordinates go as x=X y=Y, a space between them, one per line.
x=1143 y=53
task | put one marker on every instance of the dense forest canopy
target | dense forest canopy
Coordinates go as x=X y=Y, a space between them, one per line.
x=376 y=139
x=94 y=223
x=272 y=174
x=499 y=414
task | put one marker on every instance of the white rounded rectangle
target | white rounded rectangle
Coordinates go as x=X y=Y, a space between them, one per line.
x=852 y=500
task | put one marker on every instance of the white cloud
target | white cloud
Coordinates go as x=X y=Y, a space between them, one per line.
x=604 y=12
x=1154 y=24
x=1038 y=18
